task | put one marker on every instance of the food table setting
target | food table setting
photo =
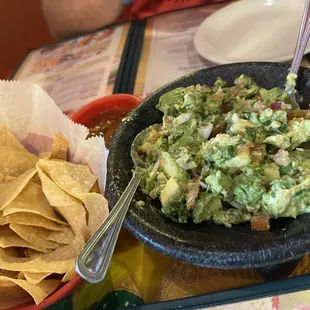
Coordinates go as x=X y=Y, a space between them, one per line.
x=219 y=221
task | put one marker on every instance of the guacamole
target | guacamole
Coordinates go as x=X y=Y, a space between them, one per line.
x=228 y=154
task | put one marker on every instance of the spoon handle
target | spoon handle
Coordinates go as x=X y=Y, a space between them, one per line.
x=93 y=262
x=302 y=40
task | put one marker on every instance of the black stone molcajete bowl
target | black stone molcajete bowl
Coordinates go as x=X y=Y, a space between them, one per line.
x=206 y=244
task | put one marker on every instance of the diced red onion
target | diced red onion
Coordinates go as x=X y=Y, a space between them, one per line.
x=276 y=105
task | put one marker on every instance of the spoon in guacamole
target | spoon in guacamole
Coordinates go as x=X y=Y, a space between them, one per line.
x=301 y=44
x=94 y=259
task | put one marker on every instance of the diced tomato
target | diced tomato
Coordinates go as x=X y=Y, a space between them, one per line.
x=260 y=223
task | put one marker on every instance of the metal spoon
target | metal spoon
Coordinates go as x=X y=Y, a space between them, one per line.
x=301 y=44
x=94 y=259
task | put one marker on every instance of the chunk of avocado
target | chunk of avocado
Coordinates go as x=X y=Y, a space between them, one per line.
x=170 y=102
x=206 y=206
x=299 y=131
x=171 y=168
x=173 y=202
x=240 y=160
x=170 y=192
x=271 y=172
x=280 y=141
x=220 y=183
x=287 y=198
x=248 y=188
x=231 y=216
x=301 y=161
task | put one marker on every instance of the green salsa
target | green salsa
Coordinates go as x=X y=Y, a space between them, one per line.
x=227 y=154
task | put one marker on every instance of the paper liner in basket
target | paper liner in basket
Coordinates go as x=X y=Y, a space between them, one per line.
x=32 y=115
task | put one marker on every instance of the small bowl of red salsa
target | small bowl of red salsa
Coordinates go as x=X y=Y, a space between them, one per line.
x=103 y=115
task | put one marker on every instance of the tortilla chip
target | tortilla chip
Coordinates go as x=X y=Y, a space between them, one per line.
x=45 y=155
x=70 y=274
x=42 y=165
x=76 y=217
x=39 y=291
x=14 y=163
x=33 y=253
x=60 y=147
x=34 y=235
x=8 y=273
x=35 y=179
x=43 y=263
x=43 y=220
x=69 y=251
x=30 y=219
x=59 y=261
x=35 y=278
x=9 y=238
x=8 y=178
x=95 y=188
x=13 y=252
x=72 y=178
x=97 y=208
x=9 y=190
x=64 y=236
x=69 y=207
x=12 y=295
x=32 y=199
x=54 y=194
x=20 y=276
x=8 y=139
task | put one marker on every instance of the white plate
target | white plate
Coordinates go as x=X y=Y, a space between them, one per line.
x=251 y=30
